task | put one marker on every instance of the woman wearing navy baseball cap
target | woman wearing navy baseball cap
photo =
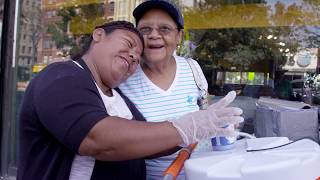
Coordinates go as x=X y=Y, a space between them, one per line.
x=163 y=86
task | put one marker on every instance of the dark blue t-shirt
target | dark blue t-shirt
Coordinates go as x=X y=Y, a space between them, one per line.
x=60 y=106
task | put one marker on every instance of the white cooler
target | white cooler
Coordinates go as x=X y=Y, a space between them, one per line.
x=296 y=161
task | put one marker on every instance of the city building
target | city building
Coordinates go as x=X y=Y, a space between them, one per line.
x=109 y=10
x=123 y=9
x=28 y=37
x=49 y=51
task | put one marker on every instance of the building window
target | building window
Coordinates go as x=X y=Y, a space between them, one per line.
x=30 y=39
x=122 y=7
x=49 y=14
x=111 y=7
x=26 y=62
x=46 y=44
x=23 y=49
x=20 y=62
x=46 y=59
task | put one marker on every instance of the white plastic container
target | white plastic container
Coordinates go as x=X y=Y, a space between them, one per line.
x=297 y=161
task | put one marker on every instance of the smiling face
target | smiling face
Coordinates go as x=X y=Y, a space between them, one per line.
x=160 y=34
x=116 y=55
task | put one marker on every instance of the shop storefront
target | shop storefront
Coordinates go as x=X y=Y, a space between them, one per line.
x=256 y=47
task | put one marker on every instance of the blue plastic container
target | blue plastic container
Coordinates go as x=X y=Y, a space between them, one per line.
x=222 y=143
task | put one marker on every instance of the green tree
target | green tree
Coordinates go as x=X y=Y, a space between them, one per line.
x=77 y=23
x=244 y=47
x=59 y=30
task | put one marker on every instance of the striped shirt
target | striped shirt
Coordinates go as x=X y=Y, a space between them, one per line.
x=158 y=105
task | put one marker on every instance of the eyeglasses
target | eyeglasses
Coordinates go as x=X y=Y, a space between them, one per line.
x=162 y=30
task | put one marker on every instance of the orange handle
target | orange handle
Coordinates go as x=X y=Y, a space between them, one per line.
x=175 y=167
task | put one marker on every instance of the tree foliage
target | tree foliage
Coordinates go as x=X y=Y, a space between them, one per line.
x=246 y=47
x=77 y=22
x=59 y=30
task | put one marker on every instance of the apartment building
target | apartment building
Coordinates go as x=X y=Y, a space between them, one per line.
x=123 y=9
x=48 y=50
x=28 y=37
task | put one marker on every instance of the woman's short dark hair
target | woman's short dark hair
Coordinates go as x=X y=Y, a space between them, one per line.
x=108 y=29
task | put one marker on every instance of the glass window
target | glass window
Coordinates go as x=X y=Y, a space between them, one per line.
x=23 y=49
x=122 y=7
x=254 y=43
x=111 y=7
x=49 y=14
x=251 y=46
x=46 y=59
x=47 y=44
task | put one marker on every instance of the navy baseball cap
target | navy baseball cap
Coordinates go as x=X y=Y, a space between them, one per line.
x=165 y=5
